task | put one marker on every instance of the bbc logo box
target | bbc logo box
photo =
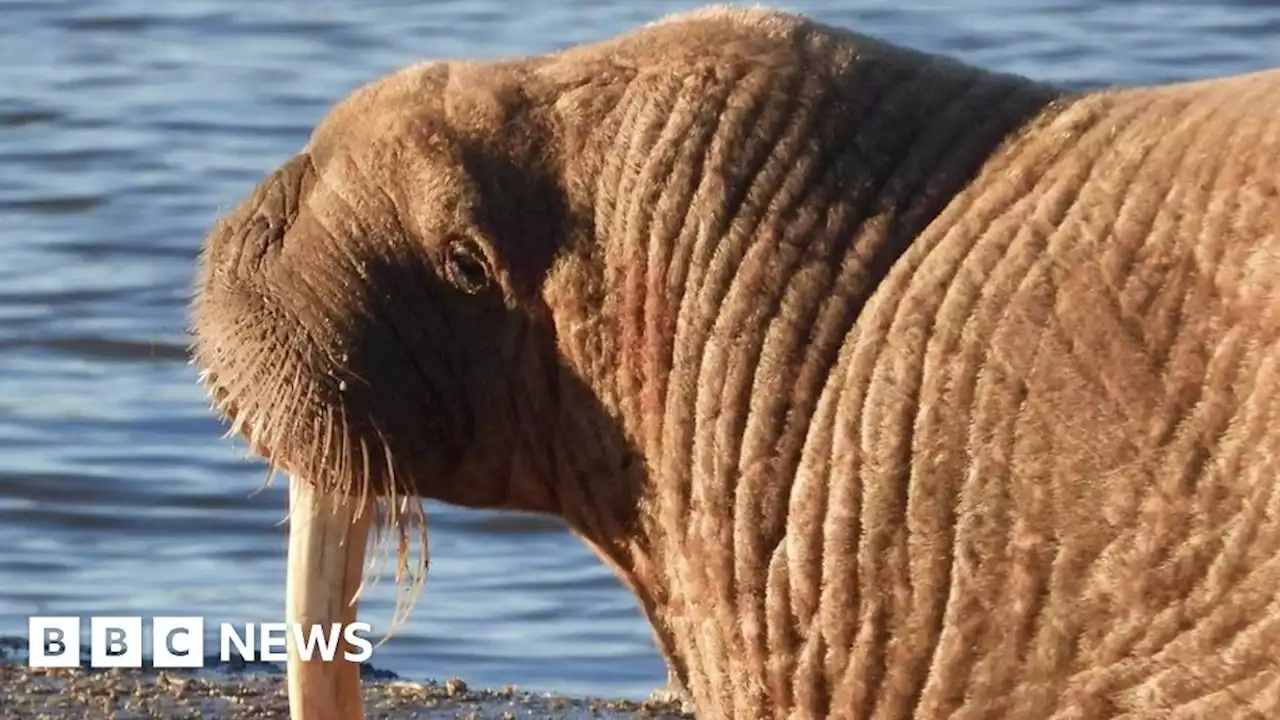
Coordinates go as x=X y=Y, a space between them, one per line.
x=176 y=642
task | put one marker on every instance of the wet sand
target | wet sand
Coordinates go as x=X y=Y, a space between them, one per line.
x=258 y=691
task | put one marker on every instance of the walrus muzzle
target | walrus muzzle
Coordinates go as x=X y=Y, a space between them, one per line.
x=278 y=362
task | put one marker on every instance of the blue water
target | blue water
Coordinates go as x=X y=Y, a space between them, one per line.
x=127 y=126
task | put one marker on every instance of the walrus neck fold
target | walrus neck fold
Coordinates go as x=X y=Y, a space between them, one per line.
x=743 y=178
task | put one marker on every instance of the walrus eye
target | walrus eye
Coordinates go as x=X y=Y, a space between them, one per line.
x=465 y=267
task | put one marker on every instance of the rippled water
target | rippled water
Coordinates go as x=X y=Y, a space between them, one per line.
x=126 y=126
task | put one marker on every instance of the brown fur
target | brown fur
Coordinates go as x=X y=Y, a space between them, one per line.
x=892 y=387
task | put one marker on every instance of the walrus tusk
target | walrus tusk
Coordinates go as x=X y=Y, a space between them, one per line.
x=327 y=537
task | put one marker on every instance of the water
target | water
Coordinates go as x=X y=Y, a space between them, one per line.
x=126 y=126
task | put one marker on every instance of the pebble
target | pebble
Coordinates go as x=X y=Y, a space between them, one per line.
x=120 y=694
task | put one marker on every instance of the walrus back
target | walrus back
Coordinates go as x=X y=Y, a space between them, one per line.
x=1054 y=421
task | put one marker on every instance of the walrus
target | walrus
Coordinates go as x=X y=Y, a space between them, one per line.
x=892 y=387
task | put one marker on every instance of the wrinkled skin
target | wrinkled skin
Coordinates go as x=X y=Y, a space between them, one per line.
x=891 y=387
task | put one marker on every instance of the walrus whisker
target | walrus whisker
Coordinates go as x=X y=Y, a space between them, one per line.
x=271 y=471
x=237 y=424
x=327 y=436
x=392 y=518
x=344 y=458
x=376 y=565
x=356 y=376
x=417 y=521
x=255 y=439
x=402 y=569
x=288 y=516
x=365 y=480
x=385 y=517
x=400 y=516
x=288 y=507
x=271 y=430
x=406 y=518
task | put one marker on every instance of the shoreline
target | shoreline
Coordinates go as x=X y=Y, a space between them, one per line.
x=258 y=691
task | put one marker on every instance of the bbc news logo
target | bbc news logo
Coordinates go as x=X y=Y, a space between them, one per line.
x=178 y=642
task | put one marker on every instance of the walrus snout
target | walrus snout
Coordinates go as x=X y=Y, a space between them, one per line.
x=255 y=231
x=357 y=336
x=251 y=327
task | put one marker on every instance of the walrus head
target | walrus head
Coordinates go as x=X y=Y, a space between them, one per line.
x=374 y=320
x=372 y=303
